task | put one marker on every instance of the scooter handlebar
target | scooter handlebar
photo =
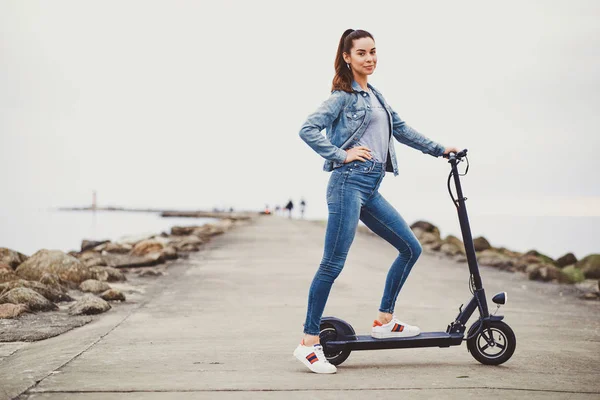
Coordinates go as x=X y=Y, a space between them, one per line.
x=453 y=156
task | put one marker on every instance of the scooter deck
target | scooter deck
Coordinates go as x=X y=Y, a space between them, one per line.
x=425 y=339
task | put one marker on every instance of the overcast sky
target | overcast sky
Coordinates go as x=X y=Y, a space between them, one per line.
x=189 y=104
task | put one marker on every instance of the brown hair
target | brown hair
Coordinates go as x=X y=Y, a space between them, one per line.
x=343 y=75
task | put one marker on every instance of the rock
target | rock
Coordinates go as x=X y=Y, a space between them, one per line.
x=572 y=274
x=188 y=243
x=426 y=238
x=9 y=310
x=113 y=295
x=588 y=286
x=11 y=257
x=165 y=241
x=524 y=261
x=95 y=262
x=495 y=259
x=29 y=297
x=114 y=275
x=170 y=253
x=544 y=258
x=449 y=249
x=427 y=227
x=88 y=305
x=183 y=230
x=208 y=230
x=151 y=272
x=94 y=286
x=203 y=231
x=590 y=296
x=147 y=246
x=129 y=261
x=567 y=259
x=543 y=272
x=507 y=252
x=530 y=259
x=51 y=293
x=189 y=248
x=456 y=242
x=481 y=244
x=7 y=274
x=90 y=244
x=131 y=240
x=87 y=255
x=54 y=281
x=590 y=266
x=107 y=274
x=99 y=273
x=66 y=267
x=118 y=248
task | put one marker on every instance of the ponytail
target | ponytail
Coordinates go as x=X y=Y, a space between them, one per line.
x=343 y=74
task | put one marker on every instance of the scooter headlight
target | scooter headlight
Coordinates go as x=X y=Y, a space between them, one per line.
x=500 y=298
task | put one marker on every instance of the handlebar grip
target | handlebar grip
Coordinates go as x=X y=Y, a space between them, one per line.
x=458 y=155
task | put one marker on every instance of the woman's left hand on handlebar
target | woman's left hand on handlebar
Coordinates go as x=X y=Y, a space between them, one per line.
x=448 y=150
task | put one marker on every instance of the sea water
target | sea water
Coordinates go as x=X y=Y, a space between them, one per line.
x=29 y=230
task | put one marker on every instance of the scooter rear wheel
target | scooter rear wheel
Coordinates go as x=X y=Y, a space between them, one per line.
x=502 y=347
x=329 y=333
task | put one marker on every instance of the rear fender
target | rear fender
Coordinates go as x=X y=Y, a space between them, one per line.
x=343 y=329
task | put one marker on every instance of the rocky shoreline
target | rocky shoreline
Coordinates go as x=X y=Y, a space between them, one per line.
x=583 y=275
x=51 y=292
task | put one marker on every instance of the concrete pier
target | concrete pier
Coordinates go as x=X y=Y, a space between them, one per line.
x=223 y=325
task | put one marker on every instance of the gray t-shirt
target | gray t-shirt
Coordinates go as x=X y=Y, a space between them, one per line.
x=377 y=134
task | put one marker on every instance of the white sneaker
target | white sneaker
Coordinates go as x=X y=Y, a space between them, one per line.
x=314 y=359
x=393 y=329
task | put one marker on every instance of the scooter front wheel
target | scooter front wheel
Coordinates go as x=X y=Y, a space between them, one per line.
x=495 y=349
x=329 y=333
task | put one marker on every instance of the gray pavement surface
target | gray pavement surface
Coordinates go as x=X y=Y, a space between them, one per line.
x=223 y=325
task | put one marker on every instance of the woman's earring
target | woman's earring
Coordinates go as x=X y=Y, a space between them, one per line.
x=348 y=65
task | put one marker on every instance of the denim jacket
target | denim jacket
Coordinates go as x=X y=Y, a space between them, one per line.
x=345 y=116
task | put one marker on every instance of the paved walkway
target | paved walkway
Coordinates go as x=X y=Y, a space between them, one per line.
x=223 y=325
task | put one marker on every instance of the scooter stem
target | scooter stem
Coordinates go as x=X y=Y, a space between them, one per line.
x=467 y=238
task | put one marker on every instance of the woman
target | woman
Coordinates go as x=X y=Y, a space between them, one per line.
x=358 y=149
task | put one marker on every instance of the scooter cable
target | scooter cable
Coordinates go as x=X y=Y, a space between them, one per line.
x=454 y=200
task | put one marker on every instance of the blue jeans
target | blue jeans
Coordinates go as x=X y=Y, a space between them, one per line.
x=352 y=195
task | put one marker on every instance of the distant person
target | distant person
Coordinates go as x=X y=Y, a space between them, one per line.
x=289 y=206
x=359 y=151
x=302 y=208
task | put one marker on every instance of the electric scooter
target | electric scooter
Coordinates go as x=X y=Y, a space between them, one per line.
x=489 y=340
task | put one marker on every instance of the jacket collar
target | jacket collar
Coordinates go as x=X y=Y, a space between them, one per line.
x=356 y=87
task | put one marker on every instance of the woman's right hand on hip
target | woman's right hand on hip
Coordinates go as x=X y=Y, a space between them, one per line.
x=361 y=153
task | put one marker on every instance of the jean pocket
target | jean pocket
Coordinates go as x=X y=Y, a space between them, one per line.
x=361 y=167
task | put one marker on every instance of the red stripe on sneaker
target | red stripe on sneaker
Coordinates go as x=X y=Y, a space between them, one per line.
x=312 y=358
